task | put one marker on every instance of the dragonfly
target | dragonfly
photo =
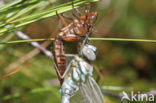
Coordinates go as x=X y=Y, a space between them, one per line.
x=80 y=79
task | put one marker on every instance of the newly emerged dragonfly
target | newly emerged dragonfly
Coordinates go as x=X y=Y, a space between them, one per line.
x=80 y=79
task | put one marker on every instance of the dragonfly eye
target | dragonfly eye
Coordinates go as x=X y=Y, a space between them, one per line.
x=93 y=19
x=89 y=52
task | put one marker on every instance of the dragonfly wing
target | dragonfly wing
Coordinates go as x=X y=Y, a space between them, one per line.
x=89 y=93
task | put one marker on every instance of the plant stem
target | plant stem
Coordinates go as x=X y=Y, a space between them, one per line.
x=95 y=39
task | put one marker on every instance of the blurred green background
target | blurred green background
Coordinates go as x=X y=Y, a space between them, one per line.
x=129 y=65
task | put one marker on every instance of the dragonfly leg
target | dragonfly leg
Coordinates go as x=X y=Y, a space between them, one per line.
x=62 y=19
x=76 y=11
x=67 y=69
x=87 y=9
x=66 y=17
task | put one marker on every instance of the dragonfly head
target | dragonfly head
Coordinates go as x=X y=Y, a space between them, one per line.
x=91 y=18
x=89 y=52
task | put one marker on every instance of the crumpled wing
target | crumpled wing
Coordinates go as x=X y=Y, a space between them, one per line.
x=89 y=93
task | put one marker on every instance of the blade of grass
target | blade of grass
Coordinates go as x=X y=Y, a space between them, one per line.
x=26 y=6
x=9 y=5
x=13 y=15
x=95 y=39
x=123 y=39
x=14 y=12
x=16 y=4
x=50 y=10
x=24 y=11
x=25 y=41
x=7 y=38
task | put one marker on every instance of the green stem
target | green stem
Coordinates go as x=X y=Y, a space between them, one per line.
x=123 y=39
x=95 y=39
